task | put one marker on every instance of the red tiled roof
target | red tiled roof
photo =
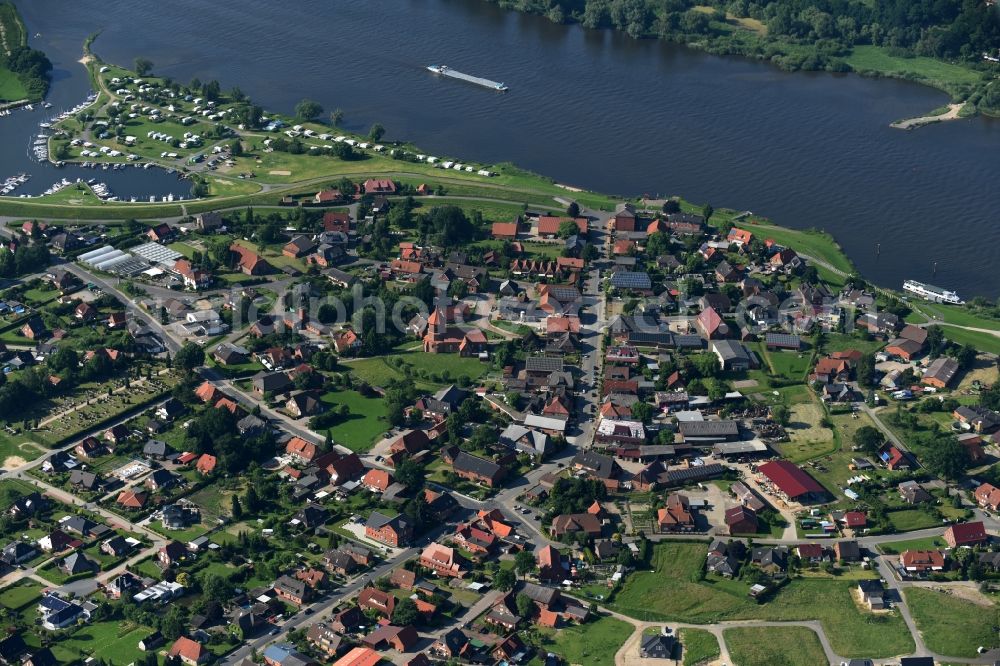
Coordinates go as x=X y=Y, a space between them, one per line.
x=188 y=649
x=790 y=479
x=966 y=533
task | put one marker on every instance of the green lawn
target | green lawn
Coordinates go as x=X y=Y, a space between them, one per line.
x=115 y=642
x=444 y=367
x=363 y=426
x=184 y=536
x=774 y=646
x=929 y=543
x=675 y=592
x=185 y=249
x=789 y=365
x=698 y=646
x=591 y=644
x=908 y=520
x=953 y=626
x=375 y=371
x=926 y=70
x=843 y=342
x=20 y=595
x=490 y=211
x=17 y=445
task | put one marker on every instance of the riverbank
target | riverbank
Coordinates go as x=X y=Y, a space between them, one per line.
x=28 y=81
x=711 y=29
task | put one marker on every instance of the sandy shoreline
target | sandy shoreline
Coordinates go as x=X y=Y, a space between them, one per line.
x=911 y=123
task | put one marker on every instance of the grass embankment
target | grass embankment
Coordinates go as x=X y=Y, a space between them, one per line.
x=811 y=242
x=698 y=646
x=675 y=591
x=953 y=626
x=950 y=317
x=774 y=646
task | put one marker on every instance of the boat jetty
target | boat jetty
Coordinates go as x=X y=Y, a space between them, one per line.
x=444 y=70
x=11 y=184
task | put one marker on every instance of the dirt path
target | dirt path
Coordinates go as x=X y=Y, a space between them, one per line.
x=912 y=123
x=13 y=462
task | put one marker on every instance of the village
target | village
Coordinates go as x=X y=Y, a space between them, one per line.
x=376 y=425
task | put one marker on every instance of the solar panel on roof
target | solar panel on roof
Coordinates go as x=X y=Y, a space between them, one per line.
x=631 y=280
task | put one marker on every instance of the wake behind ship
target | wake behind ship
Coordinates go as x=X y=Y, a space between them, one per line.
x=444 y=70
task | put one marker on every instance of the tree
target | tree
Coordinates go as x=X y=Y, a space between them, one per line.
x=642 y=411
x=781 y=414
x=706 y=210
x=406 y=613
x=946 y=457
x=189 y=357
x=336 y=116
x=174 y=623
x=504 y=580
x=237 y=508
x=935 y=340
x=252 y=501
x=868 y=438
x=410 y=474
x=525 y=606
x=568 y=228
x=966 y=356
x=866 y=371
x=524 y=562
x=308 y=109
x=573 y=209
x=376 y=132
x=142 y=66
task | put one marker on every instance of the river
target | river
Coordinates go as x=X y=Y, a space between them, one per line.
x=592 y=109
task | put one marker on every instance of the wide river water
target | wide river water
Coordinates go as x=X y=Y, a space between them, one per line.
x=589 y=108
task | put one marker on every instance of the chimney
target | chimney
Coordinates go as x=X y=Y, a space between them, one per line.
x=303 y=317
